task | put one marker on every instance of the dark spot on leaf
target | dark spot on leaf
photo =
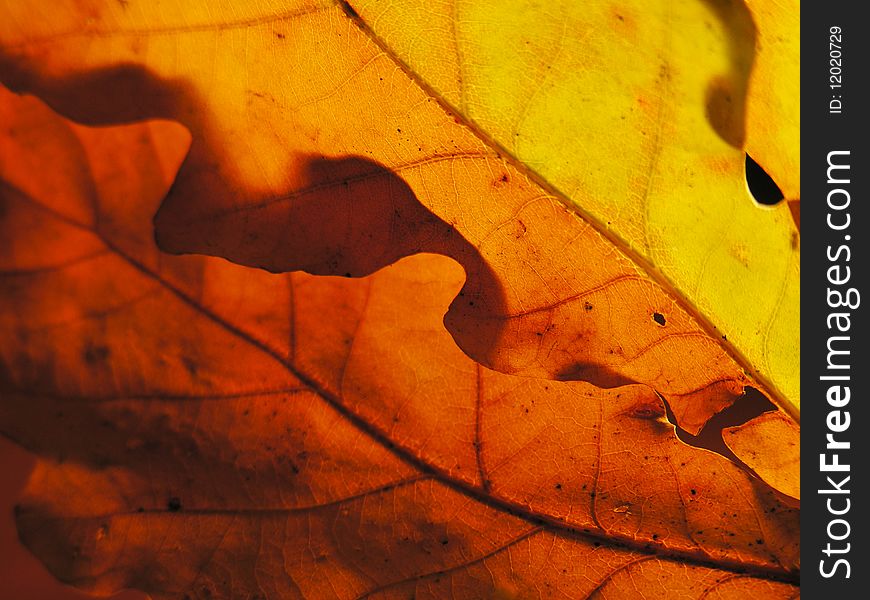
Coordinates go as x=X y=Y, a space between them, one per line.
x=647 y=410
x=190 y=366
x=659 y=318
x=96 y=354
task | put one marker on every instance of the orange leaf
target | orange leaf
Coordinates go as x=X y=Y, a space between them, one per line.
x=770 y=445
x=210 y=430
x=343 y=170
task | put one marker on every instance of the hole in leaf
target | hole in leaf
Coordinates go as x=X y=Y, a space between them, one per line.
x=761 y=185
x=747 y=407
x=659 y=318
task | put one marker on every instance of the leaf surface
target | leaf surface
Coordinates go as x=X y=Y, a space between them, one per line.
x=773 y=106
x=770 y=444
x=638 y=115
x=210 y=430
x=283 y=151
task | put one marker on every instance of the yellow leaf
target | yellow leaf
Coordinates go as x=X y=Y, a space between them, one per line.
x=634 y=113
x=773 y=135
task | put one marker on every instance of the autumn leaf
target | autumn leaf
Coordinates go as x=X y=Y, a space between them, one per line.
x=637 y=115
x=211 y=430
x=679 y=278
x=278 y=163
x=771 y=444
x=773 y=111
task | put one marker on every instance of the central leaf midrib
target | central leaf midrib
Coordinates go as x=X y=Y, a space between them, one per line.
x=699 y=557
x=408 y=456
x=622 y=245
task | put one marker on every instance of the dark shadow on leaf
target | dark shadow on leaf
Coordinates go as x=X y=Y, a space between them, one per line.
x=726 y=94
x=330 y=215
x=795 y=208
x=600 y=374
x=342 y=216
x=109 y=96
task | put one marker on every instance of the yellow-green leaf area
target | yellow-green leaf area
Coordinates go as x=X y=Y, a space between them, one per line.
x=773 y=123
x=635 y=114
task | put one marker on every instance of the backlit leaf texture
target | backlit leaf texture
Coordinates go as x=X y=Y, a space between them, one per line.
x=600 y=215
x=668 y=226
x=773 y=111
x=770 y=443
x=209 y=430
x=638 y=115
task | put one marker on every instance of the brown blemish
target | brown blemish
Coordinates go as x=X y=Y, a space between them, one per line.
x=94 y=355
x=501 y=181
x=652 y=411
